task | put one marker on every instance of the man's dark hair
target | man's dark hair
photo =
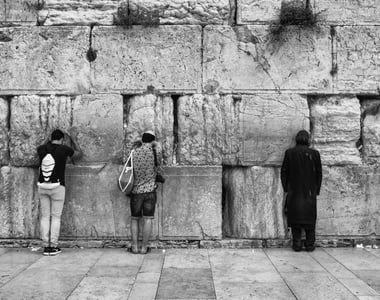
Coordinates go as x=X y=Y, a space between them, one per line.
x=302 y=138
x=148 y=138
x=56 y=135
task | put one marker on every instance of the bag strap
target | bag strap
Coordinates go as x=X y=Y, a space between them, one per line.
x=155 y=156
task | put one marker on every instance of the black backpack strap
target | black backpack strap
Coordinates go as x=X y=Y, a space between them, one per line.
x=155 y=156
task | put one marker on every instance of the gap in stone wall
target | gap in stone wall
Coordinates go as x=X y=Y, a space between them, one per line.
x=176 y=155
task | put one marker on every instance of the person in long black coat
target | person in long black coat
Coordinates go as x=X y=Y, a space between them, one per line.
x=301 y=177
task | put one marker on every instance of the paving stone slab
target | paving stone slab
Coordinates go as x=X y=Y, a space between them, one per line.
x=370 y=277
x=355 y=259
x=120 y=258
x=9 y=271
x=63 y=67
x=185 y=284
x=249 y=58
x=167 y=58
x=4 y=140
x=358 y=287
x=129 y=272
x=197 y=259
x=152 y=263
x=358 y=59
x=143 y=291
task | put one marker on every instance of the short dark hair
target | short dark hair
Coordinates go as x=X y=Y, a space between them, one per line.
x=302 y=138
x=148 y=138
x=56 y=135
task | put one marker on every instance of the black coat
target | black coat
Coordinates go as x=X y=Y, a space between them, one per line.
x=301 y=177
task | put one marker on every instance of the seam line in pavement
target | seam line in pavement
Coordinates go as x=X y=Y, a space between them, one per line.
x=159 y=280
x=212 y=273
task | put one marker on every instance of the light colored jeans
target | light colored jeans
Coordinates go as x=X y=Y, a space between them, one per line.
x=51 y=203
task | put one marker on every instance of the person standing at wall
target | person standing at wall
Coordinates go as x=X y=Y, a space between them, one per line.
x=146 y=158
x=51 y=187
x=301 y=177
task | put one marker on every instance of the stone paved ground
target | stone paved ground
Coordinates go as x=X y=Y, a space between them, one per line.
x=340 y=273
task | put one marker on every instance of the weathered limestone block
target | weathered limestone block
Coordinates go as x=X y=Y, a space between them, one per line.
x=95 y=207
x=150 y=112
x=373 y=192
x=44 y=59
x=18 y=11
x=185 y=12
x=208 y=130
x=32 y=120
x=269 y=124
x=98 y=120
x=18 y=203
x=78 y=12
x=371 y=131
x=250 y=11
x=167 y=58
x=253 y=203
x=256 y=57
x=348 y=11
x=336 y=128
x=358 y=59
x=191 y=203
x=343 y=208
x=4 y=142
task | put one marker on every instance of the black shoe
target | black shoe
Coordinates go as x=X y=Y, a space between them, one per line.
x=55 y=251
x=47 y=251
x=310 y=248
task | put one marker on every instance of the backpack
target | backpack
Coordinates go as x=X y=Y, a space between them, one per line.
x=126 y=177
x=47 y=169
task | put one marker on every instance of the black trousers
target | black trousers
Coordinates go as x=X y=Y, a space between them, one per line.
x=310 y=235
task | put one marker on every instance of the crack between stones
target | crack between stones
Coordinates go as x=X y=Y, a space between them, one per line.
x=9 y=100
x=176 y=154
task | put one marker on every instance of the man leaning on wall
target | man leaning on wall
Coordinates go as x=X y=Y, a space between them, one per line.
x=51 y=186
x=301 y=177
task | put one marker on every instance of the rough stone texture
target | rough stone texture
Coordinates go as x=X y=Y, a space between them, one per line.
x=358 y=59
x=98 y=120
x=253 y=203
x=78 y=12
x=373 y=192
x=4 y=142
x=186 y=12
x=255 y=57
x=250 y=11
x=190 y=205
x=208 y=130
x=18 y=203
x=32 y=120
x=336 y=128
x=95 y=207
x=371 y=131
x=150 y=112
x=44 y=59
x=18 y=11
x=167 y=58
x=343 y=207
x=269 y=124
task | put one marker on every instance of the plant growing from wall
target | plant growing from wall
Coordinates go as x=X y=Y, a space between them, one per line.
x=128 y=16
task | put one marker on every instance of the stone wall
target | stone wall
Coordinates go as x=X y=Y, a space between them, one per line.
x=225 y=85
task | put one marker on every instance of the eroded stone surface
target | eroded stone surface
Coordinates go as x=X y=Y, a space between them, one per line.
x=190 y=204
x=208 y=130
x=167 y=58
x=373 y=192
x=343 y=208
x=44 y=59
x=4 y=115
x=98 y=121
x=336 y=128
x=33 y=118
x=249 y=11
x=358 y=58
x=253 y=203
x=19 y=11
x=371 y=130
x=150 y=112
x=256 y=57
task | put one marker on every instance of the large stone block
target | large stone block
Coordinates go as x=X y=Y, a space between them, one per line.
x=32 y=120
x=358 y=59
x=257 y=57
x=191 y=203
x=250 y=11
x=150 y=112
x=343 y=207
x=98 y=120
x=373 y=194
x=95 y=207
x=4 y=141
x=208 y=130
x=78 y=12
x=44 y=60
x=18 y=203
x=167 y=58
x=183 y=11
x=253 y=203
x=269 y=124
x=336 y=128
x=19 y=11
x=371 y=130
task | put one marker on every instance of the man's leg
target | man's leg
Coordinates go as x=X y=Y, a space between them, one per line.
x=310 y=238
x=297 y=243
x=135 y=234
x=147 y=230
x=136 y=210
x=57 y=201
x=149 y=206
x=45 y=217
